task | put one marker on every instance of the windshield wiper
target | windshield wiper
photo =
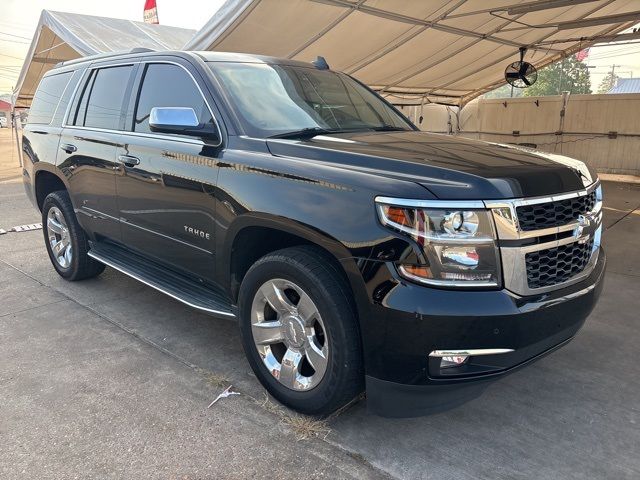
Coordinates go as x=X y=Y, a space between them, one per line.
x=304 y=133
x=389 y=128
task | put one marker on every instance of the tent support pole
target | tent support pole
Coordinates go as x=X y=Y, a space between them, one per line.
x=14 y=127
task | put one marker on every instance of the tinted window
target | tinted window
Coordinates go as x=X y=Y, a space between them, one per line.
x=47 y=97
x=167 y=85
x=66 y=98
x=82 y=109
x=102 y=100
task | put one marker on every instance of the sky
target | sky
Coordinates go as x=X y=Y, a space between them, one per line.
x=19 y=18
x=626 y=58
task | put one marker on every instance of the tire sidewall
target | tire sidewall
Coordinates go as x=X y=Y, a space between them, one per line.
x=332 y=312
x=56 y=199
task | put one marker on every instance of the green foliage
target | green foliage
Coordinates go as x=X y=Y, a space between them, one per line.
x=608 y=82
x=503 y=92
x=566 y=75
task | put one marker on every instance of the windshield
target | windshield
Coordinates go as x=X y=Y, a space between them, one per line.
x=279 y=99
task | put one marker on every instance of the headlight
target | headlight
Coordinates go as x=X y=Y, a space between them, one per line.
x=457 y=241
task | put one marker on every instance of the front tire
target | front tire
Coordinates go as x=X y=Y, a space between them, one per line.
x=299 y=330
x=66 y=242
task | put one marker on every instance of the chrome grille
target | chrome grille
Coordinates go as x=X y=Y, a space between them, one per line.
x=554 y=214
x=557 y=265
x=548 y=243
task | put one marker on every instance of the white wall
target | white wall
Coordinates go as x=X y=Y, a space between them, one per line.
x=584 y=134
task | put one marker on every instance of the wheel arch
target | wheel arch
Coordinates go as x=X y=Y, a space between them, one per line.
x=252 y=236
x=46 y=181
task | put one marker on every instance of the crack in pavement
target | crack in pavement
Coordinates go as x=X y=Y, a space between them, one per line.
x=623 y=217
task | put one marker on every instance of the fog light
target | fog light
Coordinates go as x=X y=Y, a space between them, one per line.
x=453 y=361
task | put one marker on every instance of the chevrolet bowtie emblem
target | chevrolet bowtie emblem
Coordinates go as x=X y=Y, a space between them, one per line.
x=583 y=222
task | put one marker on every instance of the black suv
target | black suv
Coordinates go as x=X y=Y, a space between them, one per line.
x=355 y=250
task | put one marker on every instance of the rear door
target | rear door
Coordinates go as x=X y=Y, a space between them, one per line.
x=87 y=154
x=41 y=135
x=166 y=182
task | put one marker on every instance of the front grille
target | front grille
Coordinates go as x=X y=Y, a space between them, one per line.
x=554 y=214
x=556 y=265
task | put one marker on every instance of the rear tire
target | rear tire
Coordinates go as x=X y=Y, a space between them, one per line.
x=66 y=242
x=303 y=341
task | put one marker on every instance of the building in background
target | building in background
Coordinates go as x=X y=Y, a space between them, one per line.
x=5 y=111
x=626 y=85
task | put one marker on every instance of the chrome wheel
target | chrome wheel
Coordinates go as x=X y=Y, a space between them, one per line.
x=289 y=334
x=59 y=239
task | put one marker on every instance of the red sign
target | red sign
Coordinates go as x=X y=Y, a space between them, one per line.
x=150 y=11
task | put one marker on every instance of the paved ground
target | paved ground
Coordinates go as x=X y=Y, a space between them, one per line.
x=108 y=378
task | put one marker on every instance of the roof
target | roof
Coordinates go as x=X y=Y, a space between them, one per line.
x=626 y=85
x=447 y=50
x=248 y=58
x=5 y=105
x=66 y=36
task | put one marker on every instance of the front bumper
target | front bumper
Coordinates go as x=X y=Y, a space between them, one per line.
x=409 y=321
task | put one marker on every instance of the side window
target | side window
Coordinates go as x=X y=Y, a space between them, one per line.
x=66 y=98
x=102 y=99
x=47 y=98
x=166 y=85
x=82 y=108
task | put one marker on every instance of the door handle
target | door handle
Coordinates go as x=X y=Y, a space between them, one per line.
x=128 y=160
x=69 y=148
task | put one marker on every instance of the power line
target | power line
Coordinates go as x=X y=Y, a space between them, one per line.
x=14 y=41
x=11 y=56
x=12 y=35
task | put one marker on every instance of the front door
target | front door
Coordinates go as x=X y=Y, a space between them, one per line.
x=165 y=183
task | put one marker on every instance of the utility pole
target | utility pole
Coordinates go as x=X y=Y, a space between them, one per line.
x=613 y=70
x=613 y=74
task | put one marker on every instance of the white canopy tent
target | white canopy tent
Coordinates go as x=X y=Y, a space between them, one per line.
x=443 y=50
x=65 y=36
x=447 y=51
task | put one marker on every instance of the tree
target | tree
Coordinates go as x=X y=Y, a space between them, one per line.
x=566 y=75
x=608 y=82
x=503 y=92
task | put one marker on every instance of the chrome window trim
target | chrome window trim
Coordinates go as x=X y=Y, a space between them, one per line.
x=158 y=136
x=81 y=81
x=133 y=132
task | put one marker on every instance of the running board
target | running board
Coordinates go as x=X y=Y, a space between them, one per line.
x=166 y=281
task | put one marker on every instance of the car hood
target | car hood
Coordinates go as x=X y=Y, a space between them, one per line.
x=450 y=167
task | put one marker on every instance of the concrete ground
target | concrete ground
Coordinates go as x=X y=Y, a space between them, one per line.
x=108 y=378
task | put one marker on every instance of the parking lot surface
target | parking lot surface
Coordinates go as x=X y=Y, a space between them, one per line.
x=109 y=378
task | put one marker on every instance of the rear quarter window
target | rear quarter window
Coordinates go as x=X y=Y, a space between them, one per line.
x=47 y=97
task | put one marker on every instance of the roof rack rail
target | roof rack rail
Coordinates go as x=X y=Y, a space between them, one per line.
x=141 y=50
x=99 y=56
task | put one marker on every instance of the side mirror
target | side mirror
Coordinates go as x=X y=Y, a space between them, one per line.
x=179 y=120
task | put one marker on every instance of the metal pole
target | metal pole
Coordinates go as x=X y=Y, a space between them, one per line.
x=14 y=126
x=561 y=75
